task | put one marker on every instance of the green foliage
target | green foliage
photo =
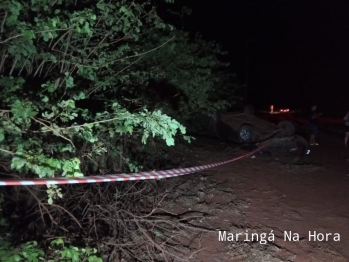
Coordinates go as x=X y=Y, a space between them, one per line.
x=73 y=54
x=53 y=192
x=58 y=55
x=26 y=252
x=100 y=51
x=57 y=251
x=195 y=68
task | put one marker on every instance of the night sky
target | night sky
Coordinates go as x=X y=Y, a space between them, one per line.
x=295 y=53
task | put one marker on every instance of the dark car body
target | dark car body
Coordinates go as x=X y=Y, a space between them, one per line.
x=245 y=128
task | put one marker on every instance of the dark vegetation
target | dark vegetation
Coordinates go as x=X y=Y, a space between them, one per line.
x=98 y=87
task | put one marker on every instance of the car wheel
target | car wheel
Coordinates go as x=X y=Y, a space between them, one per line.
x=293 y=151
x=304 y=149
x=246 y=133
x=287 y=127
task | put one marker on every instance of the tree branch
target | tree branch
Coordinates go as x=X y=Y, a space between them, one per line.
x=54 y=131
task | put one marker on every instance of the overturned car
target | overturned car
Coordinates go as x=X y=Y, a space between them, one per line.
x=248 y=130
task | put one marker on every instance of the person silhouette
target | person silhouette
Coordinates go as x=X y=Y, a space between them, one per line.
x=314 y=125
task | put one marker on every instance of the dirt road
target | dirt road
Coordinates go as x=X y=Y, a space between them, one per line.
x=264 y=196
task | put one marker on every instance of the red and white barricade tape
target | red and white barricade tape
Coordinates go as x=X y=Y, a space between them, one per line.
x=119 y=177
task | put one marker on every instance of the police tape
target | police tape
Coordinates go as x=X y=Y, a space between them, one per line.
x=121 y=177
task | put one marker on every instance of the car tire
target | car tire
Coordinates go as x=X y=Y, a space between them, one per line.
x=292 y=150
x=303 y=143
x=246 y=133
x=287 y=127
x=249 y=110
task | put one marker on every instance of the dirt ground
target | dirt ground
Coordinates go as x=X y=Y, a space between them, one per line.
x=259 y=195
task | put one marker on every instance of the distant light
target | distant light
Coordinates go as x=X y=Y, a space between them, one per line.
x=271 y=108
x=284 y=110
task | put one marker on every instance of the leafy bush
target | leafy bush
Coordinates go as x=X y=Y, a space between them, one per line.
x=107 y=52
x=57 y=251
x=93 y=87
